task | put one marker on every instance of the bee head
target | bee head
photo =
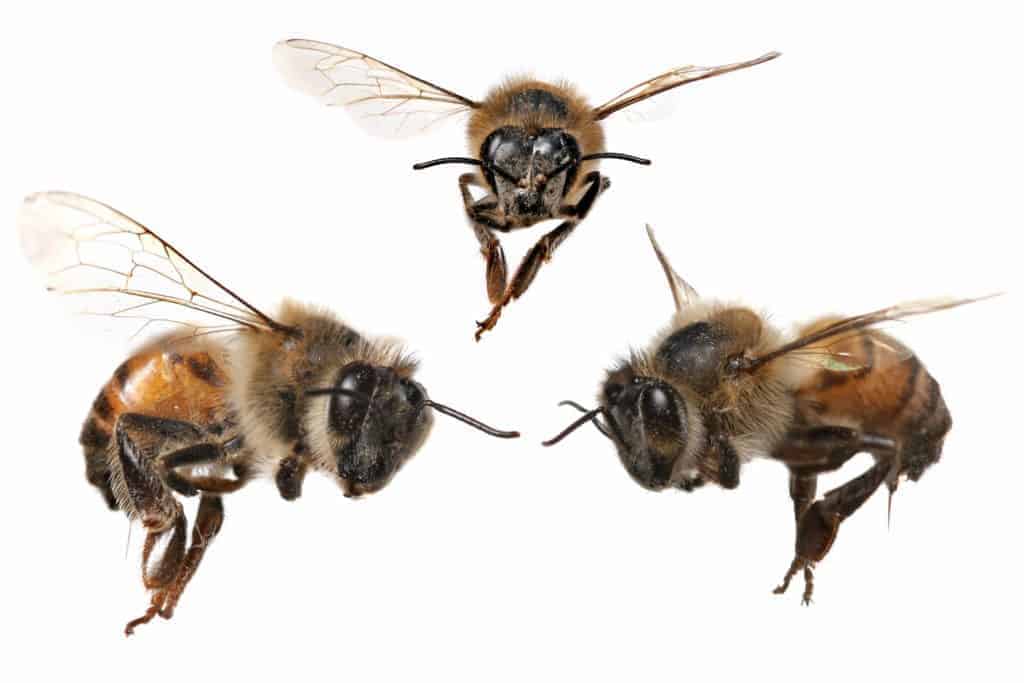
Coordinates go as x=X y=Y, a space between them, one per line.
x=655 y=427
x=377 y=418
x=652 y=425
x=530 y=171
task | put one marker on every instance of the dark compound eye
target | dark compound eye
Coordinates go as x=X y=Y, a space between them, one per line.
x=660 y=413
x=656 y=403
x=347 y=410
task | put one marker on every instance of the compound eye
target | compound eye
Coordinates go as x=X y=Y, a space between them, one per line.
x=655 y=402
x=660 y=413
x=358 y=381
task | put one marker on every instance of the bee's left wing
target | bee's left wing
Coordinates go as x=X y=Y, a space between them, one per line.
x=113 y=267
x=682 y=293
x=383 y=99
x=669 y=80
x=824 y=347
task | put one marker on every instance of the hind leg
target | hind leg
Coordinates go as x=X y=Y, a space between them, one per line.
x=144 y=446
x=808 y=453
x=161 y=562
x=819 y=524
x=209 y=518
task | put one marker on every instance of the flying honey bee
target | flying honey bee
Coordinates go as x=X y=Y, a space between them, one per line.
x=231 y=395
x=719 y=386
x=537 y=143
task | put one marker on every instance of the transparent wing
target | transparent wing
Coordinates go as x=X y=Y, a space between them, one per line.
x=845 y=353
x=682 y=293
x=829 y=346
x=107 y=265
x=669 y=80
x=384 y=100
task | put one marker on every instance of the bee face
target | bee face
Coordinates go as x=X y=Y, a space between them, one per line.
x=530 y=171
x=648 y=423
x=380 y=420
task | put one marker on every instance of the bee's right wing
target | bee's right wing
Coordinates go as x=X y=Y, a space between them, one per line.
x=111 y=266
x=383 y=99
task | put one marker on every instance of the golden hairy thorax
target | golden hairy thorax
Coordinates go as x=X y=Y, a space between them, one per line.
x=503 y=106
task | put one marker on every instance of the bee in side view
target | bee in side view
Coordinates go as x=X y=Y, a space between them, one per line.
x=719 y=387
x=232 y=395
x=537 y=144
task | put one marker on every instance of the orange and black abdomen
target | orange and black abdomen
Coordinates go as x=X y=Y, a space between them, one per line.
x=186 y=384
x=886 y=391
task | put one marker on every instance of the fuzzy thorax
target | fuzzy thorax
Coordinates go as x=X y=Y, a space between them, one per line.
x=570 y=111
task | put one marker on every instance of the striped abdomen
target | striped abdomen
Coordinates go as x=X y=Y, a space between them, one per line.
x=186 y=382
x=889 y=393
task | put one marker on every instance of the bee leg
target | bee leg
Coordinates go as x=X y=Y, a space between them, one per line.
x=809 y=452
x=137 y=469
x=209 y=519
x=539 y=254
x=802 y=489
x=291 y=471
x=159 y=568
x=484 y=223
x=189 y=484
x=544 y=249
x=819 y=524
x=139 y=474
x=596 y=184
x=197 y=454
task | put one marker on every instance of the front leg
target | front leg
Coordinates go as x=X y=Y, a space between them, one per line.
x=544 y=249
x=291 y=472
x=719 y=462
x=484 y=220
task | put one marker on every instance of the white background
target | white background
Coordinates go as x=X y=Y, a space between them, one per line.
x=878 y=160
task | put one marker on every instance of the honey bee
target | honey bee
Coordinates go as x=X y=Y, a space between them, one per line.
x=230 y=395
x=719 y=386
x=537 y=144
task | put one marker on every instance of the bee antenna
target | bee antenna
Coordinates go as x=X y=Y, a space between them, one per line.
x=472 y=422
x=584 y=419
x=600 y=427
x=446 y=160
x=616 y=155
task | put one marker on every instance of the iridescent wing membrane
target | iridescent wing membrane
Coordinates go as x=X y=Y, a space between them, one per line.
x=383 y=99
x=109 y=266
